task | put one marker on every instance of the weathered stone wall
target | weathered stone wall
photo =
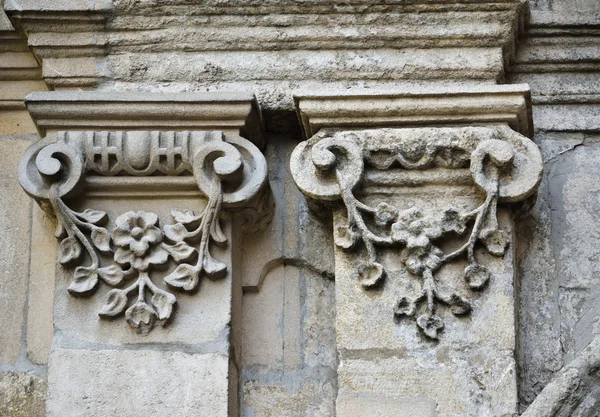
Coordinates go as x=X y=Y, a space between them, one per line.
x=285 y=345
x=559 y=307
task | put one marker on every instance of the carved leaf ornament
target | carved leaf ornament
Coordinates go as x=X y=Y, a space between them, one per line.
x=505 y=165
x=51 y=171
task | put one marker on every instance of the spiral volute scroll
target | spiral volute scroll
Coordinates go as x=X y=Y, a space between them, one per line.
x=47 y=163
x=321 y=166
x=237 y=163
x=513 y=166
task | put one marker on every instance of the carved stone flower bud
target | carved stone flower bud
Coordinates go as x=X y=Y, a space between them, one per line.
x=346 y=237
x=371 y=274
x=495 y=241
x=430 y=324
x=404 y=308
x=385 y=214
x=477 y=276
x=141 y=317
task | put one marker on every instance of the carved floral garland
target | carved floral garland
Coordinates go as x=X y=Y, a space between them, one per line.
x=415 y=233
x=331 y=164
x=138 y=243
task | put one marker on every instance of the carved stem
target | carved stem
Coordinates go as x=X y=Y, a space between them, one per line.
x=211 y=215
x=430 y=289
x=67 y=217
x=142 y=279
x=134 y=285
x=154 y=288
x=482 y=211
x=354 y=217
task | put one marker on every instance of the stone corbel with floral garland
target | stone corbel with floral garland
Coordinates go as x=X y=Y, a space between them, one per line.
x=228 y=170
x=340 y=166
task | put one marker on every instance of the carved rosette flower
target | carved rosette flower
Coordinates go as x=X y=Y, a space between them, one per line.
x=416 y=233
x=137 y=238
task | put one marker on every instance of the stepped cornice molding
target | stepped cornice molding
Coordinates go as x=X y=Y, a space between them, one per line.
x=231 y=112
x=510 y=104
x=95 y=30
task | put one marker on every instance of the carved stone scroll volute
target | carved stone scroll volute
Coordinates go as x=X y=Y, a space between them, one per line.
x=424 y=278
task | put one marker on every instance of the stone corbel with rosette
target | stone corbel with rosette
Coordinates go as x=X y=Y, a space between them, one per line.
x=420 y=186
x=121 y=152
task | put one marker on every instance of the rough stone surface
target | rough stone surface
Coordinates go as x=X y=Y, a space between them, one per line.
x=289 y=357
x=559 y=286
x=574 y=389
x=372 y=406
x=22 y=395
x=469 y=371
x=285 y=340
x=137 y=382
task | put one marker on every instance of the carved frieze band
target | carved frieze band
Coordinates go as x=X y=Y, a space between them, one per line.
x=229 y=171
x=504 y=165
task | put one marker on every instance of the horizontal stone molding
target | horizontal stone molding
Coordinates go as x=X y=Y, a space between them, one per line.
x=510 y=104
x=233 y=112
x=284 y=34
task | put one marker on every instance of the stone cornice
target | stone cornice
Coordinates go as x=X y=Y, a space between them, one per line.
x=510 y=104
x=558 y=48
x=19 y=70
x=237 y=26
x=233 y=112
x=557 y=56
x=90 y=30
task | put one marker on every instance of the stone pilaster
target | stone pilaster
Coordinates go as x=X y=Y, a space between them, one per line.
x=425 y=285
x=147 y=300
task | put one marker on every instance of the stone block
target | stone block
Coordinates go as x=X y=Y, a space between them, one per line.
x=133 y=383
x=469 y=370
x=79 y=67
x=559 y=295
x=477 y=386
x=289 y=355
x=15 y=209
x=380 y=406
x=40 y=311
x=16 y=122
